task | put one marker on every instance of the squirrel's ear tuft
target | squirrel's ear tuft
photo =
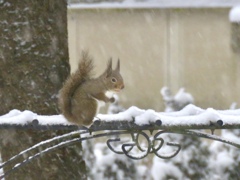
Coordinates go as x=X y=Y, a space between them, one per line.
x=109 y=68
x=118 y=65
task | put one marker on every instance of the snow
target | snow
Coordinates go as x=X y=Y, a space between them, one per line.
x=108 y=165
x=128 y=115
x=190 y=115
x=222 y=160
x=25 y=117
x=176 y=102
x=219 y=159
x=142 y=170
x=161 y=170
x=234 y=15
x=17 y=117
x=183 y=97
x=156 y=4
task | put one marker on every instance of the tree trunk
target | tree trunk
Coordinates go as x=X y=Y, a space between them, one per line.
x=33 y=66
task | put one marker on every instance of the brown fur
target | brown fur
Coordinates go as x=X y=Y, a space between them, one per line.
x=79 y=95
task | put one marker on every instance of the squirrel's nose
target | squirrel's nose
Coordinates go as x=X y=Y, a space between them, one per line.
x=122 y=86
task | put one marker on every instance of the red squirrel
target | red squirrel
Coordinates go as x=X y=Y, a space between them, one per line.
x=80 y=95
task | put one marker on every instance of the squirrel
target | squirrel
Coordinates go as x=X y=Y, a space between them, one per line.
x=80 y=95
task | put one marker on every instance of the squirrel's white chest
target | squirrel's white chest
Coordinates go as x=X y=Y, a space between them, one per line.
x=109 y=94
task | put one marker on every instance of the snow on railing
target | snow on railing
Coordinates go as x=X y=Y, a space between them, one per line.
x=144 y=127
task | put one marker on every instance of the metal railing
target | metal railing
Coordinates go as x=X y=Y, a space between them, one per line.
x=133 y=148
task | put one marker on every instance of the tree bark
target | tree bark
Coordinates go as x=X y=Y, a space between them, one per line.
x=33 y=66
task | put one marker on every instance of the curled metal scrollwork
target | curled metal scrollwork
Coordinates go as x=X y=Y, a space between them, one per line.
x=151 y=146
x=144 y=140
x=126 y=148
x=136 y=143
x=164 y=156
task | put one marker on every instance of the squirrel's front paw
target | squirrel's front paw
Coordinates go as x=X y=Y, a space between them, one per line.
x=112 y=99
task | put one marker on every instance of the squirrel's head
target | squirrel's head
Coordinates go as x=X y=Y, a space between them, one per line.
x=112 y=78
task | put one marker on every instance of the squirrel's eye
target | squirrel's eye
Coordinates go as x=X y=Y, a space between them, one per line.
x=114 y=80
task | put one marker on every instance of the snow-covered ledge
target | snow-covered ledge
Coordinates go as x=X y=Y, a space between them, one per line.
x=133 y=122
x=191 y=117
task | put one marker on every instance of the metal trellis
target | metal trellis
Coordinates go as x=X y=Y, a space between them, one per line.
x=150 y=133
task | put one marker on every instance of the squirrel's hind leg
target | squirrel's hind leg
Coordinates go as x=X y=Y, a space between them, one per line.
x=85 y=111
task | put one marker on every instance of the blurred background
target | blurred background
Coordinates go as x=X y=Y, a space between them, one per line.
x=161 y=43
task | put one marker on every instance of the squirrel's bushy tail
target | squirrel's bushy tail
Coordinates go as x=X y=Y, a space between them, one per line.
x=82 y=74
